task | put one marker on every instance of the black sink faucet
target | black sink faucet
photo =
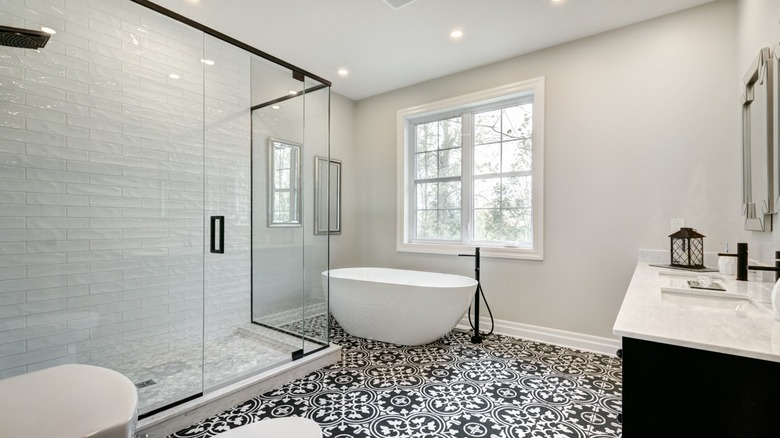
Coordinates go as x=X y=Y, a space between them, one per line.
x=742 y=261
x=775 y=268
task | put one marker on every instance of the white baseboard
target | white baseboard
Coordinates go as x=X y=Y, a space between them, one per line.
x=577 y=341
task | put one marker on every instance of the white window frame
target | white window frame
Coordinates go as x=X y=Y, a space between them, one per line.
x=405 y=170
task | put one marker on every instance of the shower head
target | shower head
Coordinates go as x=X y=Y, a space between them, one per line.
x=23 y=38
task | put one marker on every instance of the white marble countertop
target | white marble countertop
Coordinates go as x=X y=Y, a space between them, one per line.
x=650 y=314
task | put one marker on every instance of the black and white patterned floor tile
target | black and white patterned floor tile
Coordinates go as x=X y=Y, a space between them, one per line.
x=313 y=327
x=503 y=388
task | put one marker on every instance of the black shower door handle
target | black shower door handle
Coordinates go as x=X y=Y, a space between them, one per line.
x=218 y=227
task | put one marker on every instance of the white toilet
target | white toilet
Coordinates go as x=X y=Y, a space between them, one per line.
x=68 y=401
x=288 y=427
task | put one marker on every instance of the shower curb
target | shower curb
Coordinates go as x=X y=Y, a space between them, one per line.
x=224 y=398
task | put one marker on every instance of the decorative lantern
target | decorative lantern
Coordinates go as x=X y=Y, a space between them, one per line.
x=687 y=249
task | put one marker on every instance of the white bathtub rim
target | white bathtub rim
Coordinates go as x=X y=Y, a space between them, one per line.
x=463 y=281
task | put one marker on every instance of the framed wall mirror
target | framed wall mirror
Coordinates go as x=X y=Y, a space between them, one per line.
x=327 y=196
x=284 y=183
x=760 y=156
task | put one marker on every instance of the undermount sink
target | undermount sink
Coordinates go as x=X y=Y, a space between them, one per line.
x=676 y=287
x=743 y=306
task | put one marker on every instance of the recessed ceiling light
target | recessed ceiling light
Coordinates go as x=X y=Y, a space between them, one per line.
x=276 y=107
x=343 y=72
x=293 y=92
x=207 y=61
x=456 y=34
x=48 y=30
x=174 y=76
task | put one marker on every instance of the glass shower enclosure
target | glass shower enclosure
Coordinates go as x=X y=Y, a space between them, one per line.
x=289 y=131
x=156 y=200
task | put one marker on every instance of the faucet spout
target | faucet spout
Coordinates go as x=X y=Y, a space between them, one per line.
x=775 y=268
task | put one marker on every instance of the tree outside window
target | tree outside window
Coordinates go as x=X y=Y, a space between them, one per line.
x=472 y=173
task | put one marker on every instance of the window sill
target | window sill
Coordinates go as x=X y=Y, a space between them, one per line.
x=485 y=251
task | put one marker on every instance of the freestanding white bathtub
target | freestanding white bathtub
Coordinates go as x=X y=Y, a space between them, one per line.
x=398 y=306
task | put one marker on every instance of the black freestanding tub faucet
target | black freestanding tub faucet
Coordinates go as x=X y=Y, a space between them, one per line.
x=477 y=338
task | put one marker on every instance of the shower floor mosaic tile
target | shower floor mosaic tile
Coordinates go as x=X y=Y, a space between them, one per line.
x=503 y=388
x=164 y=378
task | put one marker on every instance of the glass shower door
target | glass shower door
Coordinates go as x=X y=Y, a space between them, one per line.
x=227 y=210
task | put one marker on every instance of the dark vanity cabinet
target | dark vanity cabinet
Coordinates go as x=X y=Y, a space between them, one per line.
x=672 y=391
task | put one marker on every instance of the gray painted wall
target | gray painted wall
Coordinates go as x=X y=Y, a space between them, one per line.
x=641 y=127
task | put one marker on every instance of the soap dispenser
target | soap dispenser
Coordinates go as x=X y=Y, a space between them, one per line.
x=727 y=261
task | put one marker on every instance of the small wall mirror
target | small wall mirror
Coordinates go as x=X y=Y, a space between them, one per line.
x=284 y=183
x=327 y=196
x=759 y=143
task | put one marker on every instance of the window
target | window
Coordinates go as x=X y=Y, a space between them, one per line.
x=284 y=198
x=471 y=173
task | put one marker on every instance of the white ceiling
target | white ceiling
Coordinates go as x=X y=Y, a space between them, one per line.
x=385 y=48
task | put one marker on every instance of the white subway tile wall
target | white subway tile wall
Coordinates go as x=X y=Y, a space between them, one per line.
x=107 y=168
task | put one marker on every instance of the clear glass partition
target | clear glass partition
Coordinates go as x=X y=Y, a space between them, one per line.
x=134 y=186
x=317 y=132
x=290 y=119
x=278 y=176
